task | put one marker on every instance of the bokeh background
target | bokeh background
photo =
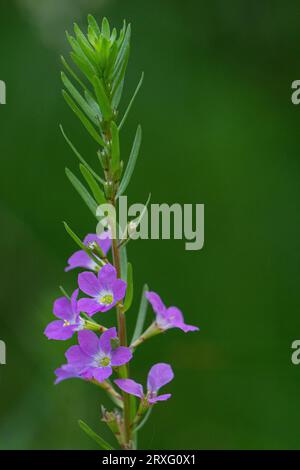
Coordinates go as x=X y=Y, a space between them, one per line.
x=219 y=128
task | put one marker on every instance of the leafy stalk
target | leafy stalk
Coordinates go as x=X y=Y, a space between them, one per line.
x=102 y=57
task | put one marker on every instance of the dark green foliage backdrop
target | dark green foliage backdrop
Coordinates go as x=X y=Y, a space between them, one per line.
x=219 y=129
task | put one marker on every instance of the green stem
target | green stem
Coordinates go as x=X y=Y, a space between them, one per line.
x=123 y=342
x=90 y=325
x=153 y=330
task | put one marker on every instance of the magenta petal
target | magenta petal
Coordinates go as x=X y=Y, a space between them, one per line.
x=77 y=357
x=62 y=309
x=74 y=302
x=88 y=341
x=104 y=240
x=175 y=319
x=89 y=283
x=159 y=375
x=87 y=373
x=119 y=289
x=105 y=339
x=105 y=308
x=67 y=371
x=130 y=386
x=89 y=306
x=102 y=373
x=57 y=330
x=120 y=356
x=80 y=259
x=164 y=397
x=90 y=238
x=174 y=315
x=186 y=328
x=156 y=302
x=73 y=354
x=107 y=276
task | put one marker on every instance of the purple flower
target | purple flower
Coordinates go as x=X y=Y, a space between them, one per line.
x=170 y=317
x=159 y=375
x=70 y=320
x=94 y=357
x=106 y=290
x=80 y=259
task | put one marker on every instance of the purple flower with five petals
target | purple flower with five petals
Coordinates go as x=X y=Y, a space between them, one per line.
x=70 y=321
x=94 y=357
x=105 y=289
x=170 y=317
x=159 y=375
x=80 y=259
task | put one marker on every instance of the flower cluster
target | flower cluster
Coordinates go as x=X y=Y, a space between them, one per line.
x=103 y=283
x=95 y=358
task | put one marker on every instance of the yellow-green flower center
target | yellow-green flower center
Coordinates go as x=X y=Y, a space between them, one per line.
x=106 y=299
x=66 y=323
x=105 y=361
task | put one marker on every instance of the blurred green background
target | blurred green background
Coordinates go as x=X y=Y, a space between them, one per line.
x=220 y=129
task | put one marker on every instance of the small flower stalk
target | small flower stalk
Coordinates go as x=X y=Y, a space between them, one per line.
x=93 y=81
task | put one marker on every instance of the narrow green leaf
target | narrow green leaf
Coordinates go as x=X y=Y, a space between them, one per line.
x=80 y=158
x=94 y=187
x=64 y=292
x=117 y=96
x=79 y=242
x=120 y=68
x=117 y=83
x=131 y=101
x=102 y=98
x=139 y=327
x=133 y=409
x=115 y=150
x=102 y=48
x=83 y=62
x=89 y=127
x=92 y=37
x=79 y=99
x=124 y=263
x=74 y=236
x=122 y=34
x=105 y=28
x=113 y=35
x=72 y=73
x=99 y=440
x=123 y=51
x=144 y=420
x=93 y=104
x=75 y=46
x=82 y=191
x=113 y=51
x=94 y=25
x=85 y=45
x=129 y=290
x=84 y=66
x=131 y=162
x=135 y=222
x=138 y=220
